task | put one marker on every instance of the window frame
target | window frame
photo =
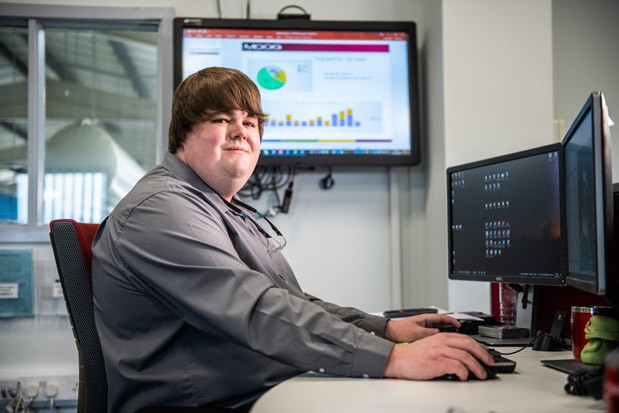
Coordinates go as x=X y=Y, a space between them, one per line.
x=37 y=18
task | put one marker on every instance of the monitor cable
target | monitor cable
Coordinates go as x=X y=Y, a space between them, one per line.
x=327 y=182
x=271 y=179
x=218 y=3
x=247 y=9
x=524 y=290
x=303 y=15
x=533 y=343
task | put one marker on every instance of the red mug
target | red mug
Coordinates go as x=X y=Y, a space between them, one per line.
x=578 y=320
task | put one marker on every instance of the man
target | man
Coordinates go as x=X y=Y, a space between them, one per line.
x=195 y=304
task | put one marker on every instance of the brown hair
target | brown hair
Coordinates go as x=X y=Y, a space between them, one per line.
x=212 y=89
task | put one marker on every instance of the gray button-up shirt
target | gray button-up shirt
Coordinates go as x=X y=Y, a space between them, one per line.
x=192 y=309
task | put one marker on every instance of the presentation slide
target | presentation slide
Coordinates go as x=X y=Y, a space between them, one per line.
x=324 y=90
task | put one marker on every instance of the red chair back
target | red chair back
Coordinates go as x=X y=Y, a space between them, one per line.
x=71 y=242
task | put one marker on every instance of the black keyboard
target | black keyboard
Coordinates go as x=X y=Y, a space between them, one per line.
x=501 y=363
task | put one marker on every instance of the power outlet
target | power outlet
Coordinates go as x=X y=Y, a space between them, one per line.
x=10 y=395
x=63 y=389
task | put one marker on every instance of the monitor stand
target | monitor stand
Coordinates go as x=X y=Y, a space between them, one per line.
x=553 y=340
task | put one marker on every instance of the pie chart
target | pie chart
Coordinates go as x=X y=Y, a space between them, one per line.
x=271 y=77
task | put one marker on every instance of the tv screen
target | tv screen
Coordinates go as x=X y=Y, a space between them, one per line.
x=505 y=218
x=336 y=93
x=589 y=201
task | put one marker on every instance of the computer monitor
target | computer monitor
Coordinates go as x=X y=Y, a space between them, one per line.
x=589 y=202
x=338 y=93
x=505 y=218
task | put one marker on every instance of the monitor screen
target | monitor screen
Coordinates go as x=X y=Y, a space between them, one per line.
x=505 y=218
x=589 y=199
x=336 y=93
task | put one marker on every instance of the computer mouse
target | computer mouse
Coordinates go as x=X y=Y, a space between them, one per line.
x=491 y=374
x=447 y=328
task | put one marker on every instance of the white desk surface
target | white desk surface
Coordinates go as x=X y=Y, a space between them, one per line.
x=531 y=388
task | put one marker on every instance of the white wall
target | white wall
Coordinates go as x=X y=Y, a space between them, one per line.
x=488 y=74
x=338 y=240
x=498 y=92
x=586 y=58
x=30 y=343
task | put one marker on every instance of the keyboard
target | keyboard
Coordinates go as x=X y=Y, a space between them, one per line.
x=501 y=363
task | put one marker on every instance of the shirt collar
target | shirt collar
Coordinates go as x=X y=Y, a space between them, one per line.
x=184 y=172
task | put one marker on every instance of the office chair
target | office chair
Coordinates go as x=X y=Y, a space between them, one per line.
x=71 y=244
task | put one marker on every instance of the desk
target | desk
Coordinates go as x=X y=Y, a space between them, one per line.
x=531 y=388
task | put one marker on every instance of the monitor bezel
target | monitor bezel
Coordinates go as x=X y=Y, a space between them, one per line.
x=509 y=278
x=317 y=160
x=602 y=284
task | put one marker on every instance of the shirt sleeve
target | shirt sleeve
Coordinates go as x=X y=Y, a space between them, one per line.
x=191 y=266
x=368 y=322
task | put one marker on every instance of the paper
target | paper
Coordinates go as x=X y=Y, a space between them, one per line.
x=16 y=283
x=457 y=316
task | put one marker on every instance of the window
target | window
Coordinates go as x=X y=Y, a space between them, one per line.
x=81 y=111
x=13 y=117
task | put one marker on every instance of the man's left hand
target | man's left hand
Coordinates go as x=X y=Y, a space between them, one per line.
x=416 y=327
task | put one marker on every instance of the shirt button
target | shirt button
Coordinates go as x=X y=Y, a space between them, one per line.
x=321 y=370
x=365 y=375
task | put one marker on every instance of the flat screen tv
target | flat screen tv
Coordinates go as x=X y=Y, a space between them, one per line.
x=589 y=202
x=337 y=93
x=505 y=218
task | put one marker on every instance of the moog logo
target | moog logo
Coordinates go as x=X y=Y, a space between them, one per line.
x=262 y=46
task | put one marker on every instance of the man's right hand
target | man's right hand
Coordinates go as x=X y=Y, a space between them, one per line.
x=437 y=355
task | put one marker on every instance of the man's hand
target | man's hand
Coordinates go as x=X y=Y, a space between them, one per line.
x=416 y=327
x=435 y=356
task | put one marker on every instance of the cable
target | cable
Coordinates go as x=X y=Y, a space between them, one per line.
x=218 y=2
x=525 y=296
x=303 y=15
x=525 y=293
x=13 y=399
x=327 y=182
x=260 y=181
x=293 y=6
x=272 y=179
x=275 y=178
x=51 y=391
x=523 y=347
x=530 y=343
x=285 y=205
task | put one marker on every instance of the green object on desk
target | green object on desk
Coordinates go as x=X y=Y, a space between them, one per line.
x=603 y=335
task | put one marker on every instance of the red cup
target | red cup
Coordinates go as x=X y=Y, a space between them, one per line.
x=578 y=320
x=508 y=304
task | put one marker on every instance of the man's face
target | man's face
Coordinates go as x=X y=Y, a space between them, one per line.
x=223 y=150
